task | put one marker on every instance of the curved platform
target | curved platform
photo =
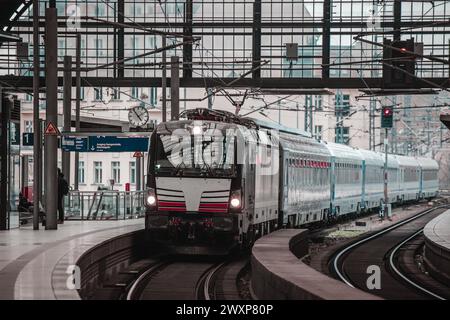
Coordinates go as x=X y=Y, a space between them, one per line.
x=279 y=274
x=437 y=247
x=33 y=264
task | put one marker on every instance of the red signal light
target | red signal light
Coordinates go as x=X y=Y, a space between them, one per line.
x=387 y=112
x=387 y=115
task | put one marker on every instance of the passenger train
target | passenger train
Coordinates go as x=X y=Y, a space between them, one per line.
x=218 y=180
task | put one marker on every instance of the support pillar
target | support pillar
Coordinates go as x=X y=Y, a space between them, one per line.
x=256 y=43
x=37 y=152
x=174 y=87
x=138 y=174
x=326 y=36
x=385 y=174
x=24 y=175
x=164 y=81
x=77 y=105
x=4 y=160
x=51 y=141
x=67 y=111
x=187 y=32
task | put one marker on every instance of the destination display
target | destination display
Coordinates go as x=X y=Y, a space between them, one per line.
x=74 y=144
x=104 y=144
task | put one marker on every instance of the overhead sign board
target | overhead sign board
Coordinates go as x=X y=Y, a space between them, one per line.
x=117 y=144
x=14 y=134
x=104 y=144
x=27 y=139
x=77 y=144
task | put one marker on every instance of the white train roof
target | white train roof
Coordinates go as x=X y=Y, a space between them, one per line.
x=281 y=128
x=427 y=163
x=392 y=161
x=297 y=143
x=372 y=158
x=405 y=161
x=341 y=152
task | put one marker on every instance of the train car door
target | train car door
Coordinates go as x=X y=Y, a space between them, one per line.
x=332 y=185
x=249 y=171
x=363 y=179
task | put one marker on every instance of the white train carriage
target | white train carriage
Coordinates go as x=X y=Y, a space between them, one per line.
x=260 y=172
x=346 y=179
x=429 y=183
x=394 y=186
x=306 y=165
x=372 y=168
x=409 y=175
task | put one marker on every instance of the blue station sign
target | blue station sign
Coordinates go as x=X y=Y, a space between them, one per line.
x=104 y=144
x=74 y=144
x=118 y=144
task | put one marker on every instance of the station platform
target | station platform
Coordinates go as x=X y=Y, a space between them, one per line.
x=33 y=264
x=437 y=246
x=278 y=272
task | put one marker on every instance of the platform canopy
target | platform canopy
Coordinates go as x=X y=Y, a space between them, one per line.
x=445 y=118
x=11 y=9
x=259 y=44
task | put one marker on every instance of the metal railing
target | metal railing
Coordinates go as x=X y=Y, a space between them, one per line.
x=104 y=205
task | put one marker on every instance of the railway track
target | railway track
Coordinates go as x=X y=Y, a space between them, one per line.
x=188 y=280
x=386 y=249
x=221 y=281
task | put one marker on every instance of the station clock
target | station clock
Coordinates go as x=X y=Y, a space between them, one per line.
x=138 y=116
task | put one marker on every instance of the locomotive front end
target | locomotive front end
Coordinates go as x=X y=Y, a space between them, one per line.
x=193 y=184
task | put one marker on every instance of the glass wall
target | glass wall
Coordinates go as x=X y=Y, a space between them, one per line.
x=233 y=33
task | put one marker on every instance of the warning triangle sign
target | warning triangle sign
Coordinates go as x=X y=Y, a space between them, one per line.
x=138 y=154
x=51 y=130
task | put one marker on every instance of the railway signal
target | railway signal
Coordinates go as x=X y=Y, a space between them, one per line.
x=387 y=116
x=399 y=62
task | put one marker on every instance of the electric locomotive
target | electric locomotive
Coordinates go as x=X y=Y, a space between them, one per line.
x=216 y=180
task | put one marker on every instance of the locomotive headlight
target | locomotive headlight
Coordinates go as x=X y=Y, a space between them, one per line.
x=235 y=199
x=235 y=203
x=150 y=201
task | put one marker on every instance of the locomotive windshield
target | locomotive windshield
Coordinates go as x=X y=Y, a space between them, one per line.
x=194 y=151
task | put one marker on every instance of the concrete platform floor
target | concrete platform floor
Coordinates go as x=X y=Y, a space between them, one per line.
x=33 y=264
x=438 y=230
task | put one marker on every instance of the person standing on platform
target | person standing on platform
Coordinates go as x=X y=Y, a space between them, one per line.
x=24 y=204
x=63 y=190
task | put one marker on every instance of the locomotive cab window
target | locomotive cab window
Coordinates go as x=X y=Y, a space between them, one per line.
x=190 y=150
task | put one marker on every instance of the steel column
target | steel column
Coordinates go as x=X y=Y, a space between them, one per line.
x=37 y=160
x=24 y=175
x=51 y=141
x=77 y=105
x=385 y=174
x=138 y=174
x=4 y=159
x=120 y=37
x=326 y=39
x=187 y=35
x=174 y=87
x=256 y=34
x=397 y=20
x=372 y=108
x=164 y=80
x=67 y=111
x=39 y=131
x=309 y=109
